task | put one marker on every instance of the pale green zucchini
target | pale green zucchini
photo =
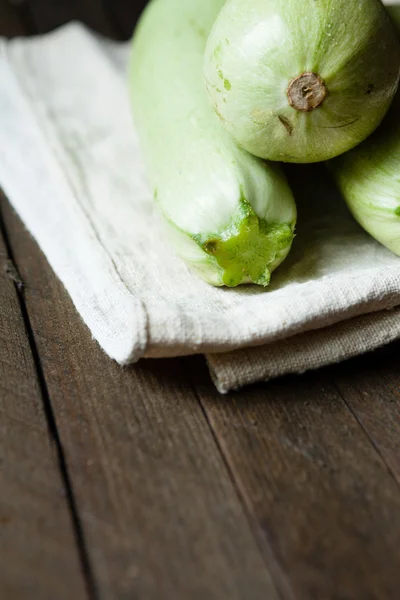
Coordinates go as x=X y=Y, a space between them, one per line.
x=232 y=215
x=369 y=177
x=301 y=80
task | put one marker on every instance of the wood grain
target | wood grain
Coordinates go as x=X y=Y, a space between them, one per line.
x=370 y=386
x=320 y=496
x=37 y=547
x=160 y=515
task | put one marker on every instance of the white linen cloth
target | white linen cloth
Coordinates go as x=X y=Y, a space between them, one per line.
x=70 y=163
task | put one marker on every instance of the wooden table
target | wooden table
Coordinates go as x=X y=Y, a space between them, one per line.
x=144 y=483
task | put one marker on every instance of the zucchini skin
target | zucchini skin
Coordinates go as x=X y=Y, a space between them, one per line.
x=259 y=52
x=231 y=216
x=369 y=176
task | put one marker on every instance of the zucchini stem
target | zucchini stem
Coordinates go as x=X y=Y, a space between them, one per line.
x=306 y=92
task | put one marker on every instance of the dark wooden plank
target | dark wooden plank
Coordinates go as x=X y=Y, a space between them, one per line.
x=320 y=497
x=159 y=512
x=125 y=14
x=45 y=15
x=10 y=25
x=37 y=547
x=371 y=387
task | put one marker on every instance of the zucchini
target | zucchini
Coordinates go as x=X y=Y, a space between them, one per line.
x=369 y=176
x=301 y=80
x=231 y=215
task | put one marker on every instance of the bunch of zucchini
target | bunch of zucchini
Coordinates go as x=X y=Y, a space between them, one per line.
x=289 y=81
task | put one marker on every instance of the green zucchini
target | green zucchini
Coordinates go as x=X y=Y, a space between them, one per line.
x=369 y=176
x=231 y=215
x=301 y=80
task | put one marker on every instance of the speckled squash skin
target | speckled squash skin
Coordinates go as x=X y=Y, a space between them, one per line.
x=301 y=80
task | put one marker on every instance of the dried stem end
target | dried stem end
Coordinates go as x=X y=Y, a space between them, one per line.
x=306 y=92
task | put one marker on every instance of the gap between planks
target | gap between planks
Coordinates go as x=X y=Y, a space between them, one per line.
x=36 y=530
x=48 y=412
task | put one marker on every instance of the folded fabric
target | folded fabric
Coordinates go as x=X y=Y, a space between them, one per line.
x=70 y=163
